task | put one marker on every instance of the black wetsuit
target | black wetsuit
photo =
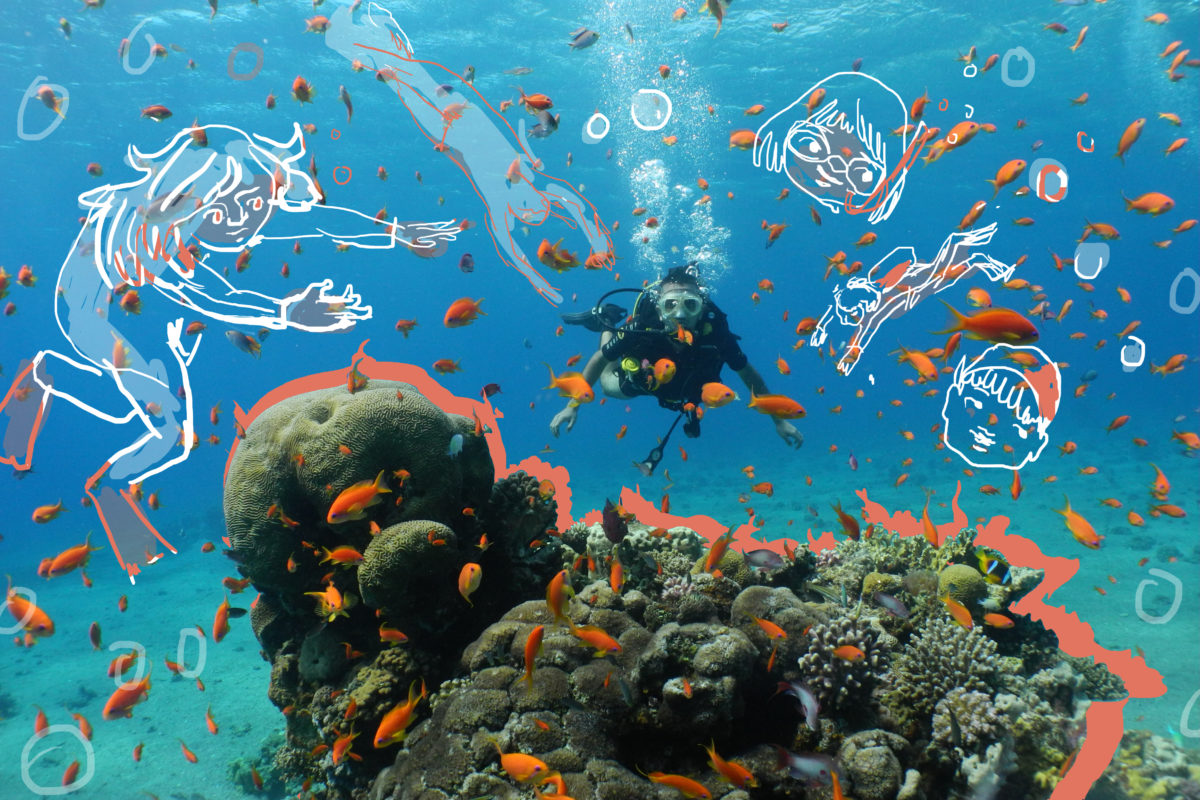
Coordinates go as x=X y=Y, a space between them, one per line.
x=713 y=346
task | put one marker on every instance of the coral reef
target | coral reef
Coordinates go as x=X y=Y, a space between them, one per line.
x=847 y=654
x=943 y=656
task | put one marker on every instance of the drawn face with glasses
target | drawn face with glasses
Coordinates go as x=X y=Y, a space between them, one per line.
x=679 y=305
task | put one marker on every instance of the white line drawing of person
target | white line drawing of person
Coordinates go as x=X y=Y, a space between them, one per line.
x=496 y=160
x=897 y=283
x=215 y=187
x=1021 y=387
x=834 y=153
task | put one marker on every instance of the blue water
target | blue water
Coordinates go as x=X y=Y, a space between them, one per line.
x=910 y=47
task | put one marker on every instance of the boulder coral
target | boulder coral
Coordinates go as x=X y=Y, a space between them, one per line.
x=385 y=578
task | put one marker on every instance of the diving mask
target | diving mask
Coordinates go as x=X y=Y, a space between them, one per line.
x=679 y=306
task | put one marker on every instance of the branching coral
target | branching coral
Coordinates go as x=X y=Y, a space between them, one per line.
x=941 y=657
x=840 y=682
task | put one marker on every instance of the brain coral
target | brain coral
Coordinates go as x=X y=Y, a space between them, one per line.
x=965 y=584
x=300 y=453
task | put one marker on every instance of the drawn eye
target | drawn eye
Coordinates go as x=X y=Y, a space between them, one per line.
x=808 y=148
x=217 y=216
x=256 y=204
x=972 y=405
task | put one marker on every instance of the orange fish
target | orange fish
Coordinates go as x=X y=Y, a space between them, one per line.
x=393 y=727
x=597 y=638
x=121 y=702
x=743 y=139
x=777 y=405
x=849 y=652
x=302 y=90
x=221 y=620
x=1079 y=527
x=522 y=767
x=533 y=647
x=72 y=558
x=715 y=395
x=920 y=362
x=716 y=550
x=571 y=384
x=849 y=524
x=352 y=502
x=345 y=556
x=1130 y=136
x=558 y=594
x=210 y=722
x=1152 y=203
x=462 y=311
x=958 y=611
x=444 y=366
x=44 y=514
x=730 y=771
x=34 y=621
x=994 y=324
x=331 y=603
x=468 y=580
x=1079 y=40
x=1006 y=175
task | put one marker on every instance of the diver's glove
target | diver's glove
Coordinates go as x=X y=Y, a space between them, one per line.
x=787 y=431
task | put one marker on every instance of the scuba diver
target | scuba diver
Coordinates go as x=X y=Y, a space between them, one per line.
x=673 y=344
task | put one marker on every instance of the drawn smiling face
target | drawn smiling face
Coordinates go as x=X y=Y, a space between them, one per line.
x=991 y=420
x=829 y=162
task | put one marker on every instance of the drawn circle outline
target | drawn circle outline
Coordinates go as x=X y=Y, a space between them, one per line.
x=1137 y=597
x=1141 y=357
x=150 y=42
x=1173 y=299
x=1079 y=142
x=974 y=71
x=945 y=104
x=78 y=783
x=666 y=119
x=1184 y=728
x=588 y=126
x=245 y=47
x=184 y=635
x=349 y=174
x=58 y=120
x=32 y=600
x=952 y=138
x=335 y=131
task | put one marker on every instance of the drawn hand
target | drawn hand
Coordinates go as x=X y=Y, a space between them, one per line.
x=427 y=235
x=314 y=309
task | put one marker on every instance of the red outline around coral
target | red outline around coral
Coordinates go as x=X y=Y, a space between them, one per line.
x=1105 y=720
